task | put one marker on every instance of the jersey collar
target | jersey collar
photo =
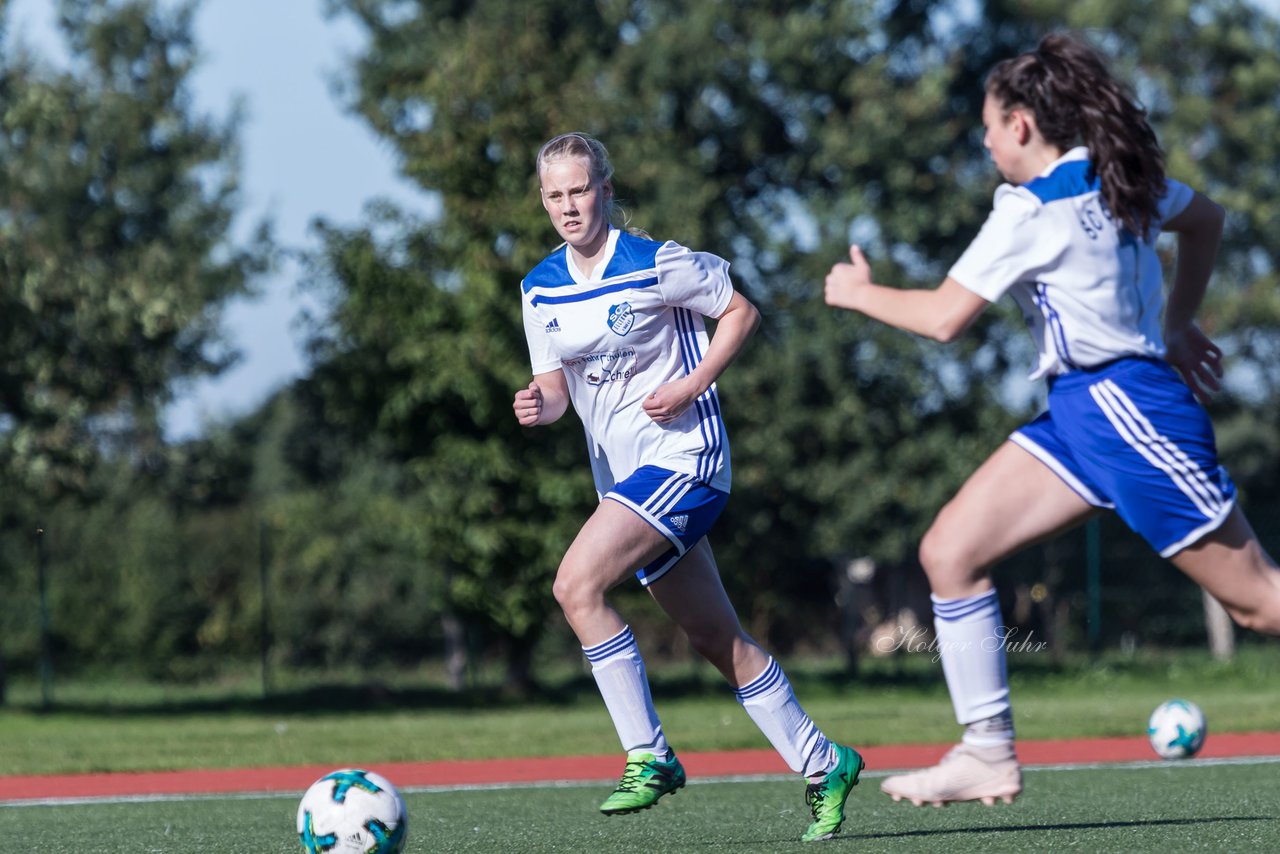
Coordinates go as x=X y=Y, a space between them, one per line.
x=1077 y=153
x=610 y=243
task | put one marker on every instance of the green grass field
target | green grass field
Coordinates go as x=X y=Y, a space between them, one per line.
x=1182 y=807
x=119 y=725
x=365 y=719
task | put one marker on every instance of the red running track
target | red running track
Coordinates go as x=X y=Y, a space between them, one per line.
x=15 y=789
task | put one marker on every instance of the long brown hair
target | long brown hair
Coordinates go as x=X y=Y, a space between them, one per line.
x=1075 y=98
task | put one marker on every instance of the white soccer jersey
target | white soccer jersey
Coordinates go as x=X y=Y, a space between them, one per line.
x=1090 y=291
x=621 y=335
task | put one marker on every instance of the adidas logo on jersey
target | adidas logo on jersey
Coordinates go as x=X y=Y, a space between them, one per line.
x=680 y=522
x=554 y=325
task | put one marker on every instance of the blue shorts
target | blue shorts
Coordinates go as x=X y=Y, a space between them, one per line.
x=1130 y=436
x=682 y=508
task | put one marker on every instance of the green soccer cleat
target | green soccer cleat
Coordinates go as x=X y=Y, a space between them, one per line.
x=826 y=799
x=644 y=780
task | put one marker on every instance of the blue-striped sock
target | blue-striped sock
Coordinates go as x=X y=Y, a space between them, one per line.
x=772 y=704
x=971 y=642
x=620 y=675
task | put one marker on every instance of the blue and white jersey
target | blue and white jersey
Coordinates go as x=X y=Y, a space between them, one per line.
x=1090 y=290
x=636 y=324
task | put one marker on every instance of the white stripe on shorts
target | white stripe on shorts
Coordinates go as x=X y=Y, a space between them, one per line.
x=1197 y=478
x=1060 y=470
x=1158 y=450
x=669 y=494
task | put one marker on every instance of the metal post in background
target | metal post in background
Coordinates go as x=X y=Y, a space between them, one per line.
x=1093 y=583
x=1217 y=622
x=264 y=558
x=46 y=642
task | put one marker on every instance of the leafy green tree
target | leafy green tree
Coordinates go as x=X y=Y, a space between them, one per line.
x=428 y=368
x=139 y=584
x=737 y=129
x=397 y=490
x=773 y=134
x=346 y=582
x=116 y=202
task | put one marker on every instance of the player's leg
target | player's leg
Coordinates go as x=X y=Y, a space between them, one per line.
x=1013 y=500
x=612 y=543
x=1231 y=564
x=1156 y=444
x=608 y=548
x=693 y=595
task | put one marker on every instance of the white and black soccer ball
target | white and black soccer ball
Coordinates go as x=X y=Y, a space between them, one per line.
x=352 y=811
x=1177 y=729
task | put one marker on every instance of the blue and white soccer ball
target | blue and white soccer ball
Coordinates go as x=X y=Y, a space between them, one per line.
x=1177 y=729
x=352 y=811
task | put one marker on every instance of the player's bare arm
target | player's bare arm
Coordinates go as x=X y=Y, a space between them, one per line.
x=544 y=400
x=941 y=314
x=733 y=327
x=1196 y=358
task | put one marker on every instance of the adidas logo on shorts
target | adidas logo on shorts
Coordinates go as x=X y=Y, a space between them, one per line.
x=679 y=522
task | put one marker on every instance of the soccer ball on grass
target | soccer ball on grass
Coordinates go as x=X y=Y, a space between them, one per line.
x=1177 y=729
x=352 y=811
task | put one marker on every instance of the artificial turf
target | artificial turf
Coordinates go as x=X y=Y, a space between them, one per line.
x=1190 y=805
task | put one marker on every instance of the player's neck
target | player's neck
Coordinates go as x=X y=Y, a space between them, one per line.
x=588 y=256
x=1036 y=159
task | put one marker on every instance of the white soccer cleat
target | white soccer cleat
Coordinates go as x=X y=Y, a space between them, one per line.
x=962 y=775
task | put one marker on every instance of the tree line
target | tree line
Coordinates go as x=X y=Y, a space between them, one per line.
x=385 y=506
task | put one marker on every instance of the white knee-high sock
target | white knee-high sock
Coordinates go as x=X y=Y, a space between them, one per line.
x=772 y=704
x=971 y=643
x=619 y=673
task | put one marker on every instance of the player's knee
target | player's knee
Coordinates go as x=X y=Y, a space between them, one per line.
x=562 y=590
x=571 y=593
x=937 y=555
x=713 y=642
x=948 y=563
x=928 y=553
x=1264 y=618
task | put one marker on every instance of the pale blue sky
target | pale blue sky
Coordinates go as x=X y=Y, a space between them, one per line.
x=303 y=157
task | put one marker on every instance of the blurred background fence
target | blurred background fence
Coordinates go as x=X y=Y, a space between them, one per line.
x=164 y=598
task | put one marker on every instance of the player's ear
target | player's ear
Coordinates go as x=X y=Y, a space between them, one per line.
x=1024 y=125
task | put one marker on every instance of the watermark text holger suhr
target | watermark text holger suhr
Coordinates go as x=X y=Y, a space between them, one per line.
x=919 y=639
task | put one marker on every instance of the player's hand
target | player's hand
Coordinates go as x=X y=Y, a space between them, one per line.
x=670 y=400
x=528 y=405
x=845 y=279
x=1195 y=357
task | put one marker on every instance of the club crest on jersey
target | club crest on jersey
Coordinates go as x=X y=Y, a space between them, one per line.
x=621 y=318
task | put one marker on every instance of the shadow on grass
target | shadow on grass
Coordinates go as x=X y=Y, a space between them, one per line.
x=679 y=679
x=347 y=698
x=956 y=835
x=317 y=694
x=1040 y=828
x=372 y=696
